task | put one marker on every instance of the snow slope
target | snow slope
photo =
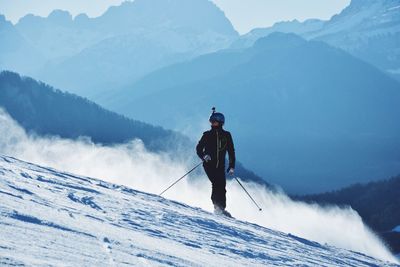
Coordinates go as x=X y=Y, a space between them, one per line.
x=56 y=218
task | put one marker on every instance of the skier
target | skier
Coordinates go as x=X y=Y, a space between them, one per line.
x=212 y=149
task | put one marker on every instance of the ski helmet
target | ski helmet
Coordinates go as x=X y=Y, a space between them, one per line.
x=217 y=116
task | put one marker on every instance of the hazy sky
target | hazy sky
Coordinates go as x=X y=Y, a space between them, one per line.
x=244 y=14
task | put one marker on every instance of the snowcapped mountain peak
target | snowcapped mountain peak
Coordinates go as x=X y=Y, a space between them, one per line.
x=173 y=14
x=127 y=41
x=56 y=218
x=360 y=11
x=358 y=5
x=363 y=3
x=367 y=29
x=367 y=3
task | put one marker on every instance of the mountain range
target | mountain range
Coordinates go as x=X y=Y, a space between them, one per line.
x=93 y=56
x=89 y=56
x=367 y=29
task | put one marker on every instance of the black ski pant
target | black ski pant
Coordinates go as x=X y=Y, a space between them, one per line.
x=218 y=181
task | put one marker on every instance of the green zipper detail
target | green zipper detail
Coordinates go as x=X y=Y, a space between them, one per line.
x=217 y=150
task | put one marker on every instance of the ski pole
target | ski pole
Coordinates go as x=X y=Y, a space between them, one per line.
x=248 y=193
x=181 y=178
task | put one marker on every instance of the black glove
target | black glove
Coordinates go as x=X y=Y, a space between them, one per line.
x=206 y=158
x=231 y=171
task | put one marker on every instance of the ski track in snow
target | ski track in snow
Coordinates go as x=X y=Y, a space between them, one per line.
x=60 y=219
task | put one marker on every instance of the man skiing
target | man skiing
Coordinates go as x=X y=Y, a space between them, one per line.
x=212 y=149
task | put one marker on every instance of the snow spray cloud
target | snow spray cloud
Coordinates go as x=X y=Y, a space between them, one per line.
x=132 y=165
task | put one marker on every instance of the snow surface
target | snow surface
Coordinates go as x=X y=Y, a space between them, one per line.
x=50 y=217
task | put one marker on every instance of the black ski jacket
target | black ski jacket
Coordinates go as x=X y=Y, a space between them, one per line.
x=216 y=142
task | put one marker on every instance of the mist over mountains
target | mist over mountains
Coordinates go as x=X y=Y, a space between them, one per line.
x=376 y=202
x=92 y=55
x=16 y=51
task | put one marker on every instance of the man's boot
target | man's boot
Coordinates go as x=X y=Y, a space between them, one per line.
x=219 y=211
